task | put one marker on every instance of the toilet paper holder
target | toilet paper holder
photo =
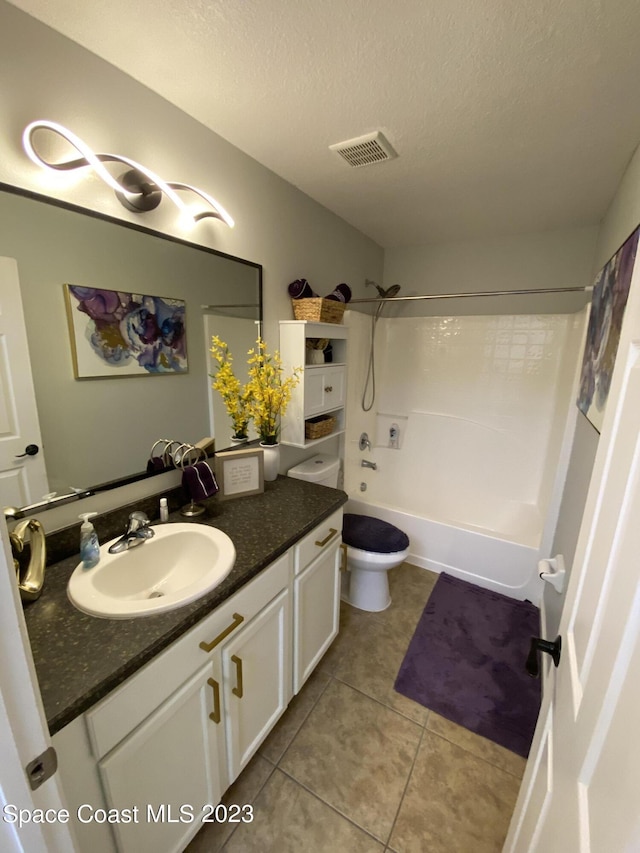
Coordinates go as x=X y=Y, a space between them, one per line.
x=553 y=571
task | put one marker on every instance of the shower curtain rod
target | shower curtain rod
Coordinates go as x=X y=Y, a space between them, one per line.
x=238 y=305
x=481 y=293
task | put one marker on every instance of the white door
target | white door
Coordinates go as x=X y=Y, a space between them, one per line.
x=23 y=731
x=257 y=681
x=240 y=334
x=23 y=478
x=581 y=789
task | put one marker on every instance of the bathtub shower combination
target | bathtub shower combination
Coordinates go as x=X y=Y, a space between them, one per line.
x=470 y=434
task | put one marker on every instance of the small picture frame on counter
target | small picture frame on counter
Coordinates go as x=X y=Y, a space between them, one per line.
x=240 y=473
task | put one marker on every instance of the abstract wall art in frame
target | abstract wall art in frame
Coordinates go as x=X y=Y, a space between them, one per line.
x=610 y=292
x=116 y=333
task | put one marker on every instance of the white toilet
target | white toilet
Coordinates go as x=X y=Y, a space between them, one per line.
x=322 y=469
x=373 y=546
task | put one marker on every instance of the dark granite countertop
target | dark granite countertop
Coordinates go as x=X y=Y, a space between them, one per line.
x=80 y=658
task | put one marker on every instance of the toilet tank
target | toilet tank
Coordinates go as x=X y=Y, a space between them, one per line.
x=322 y=469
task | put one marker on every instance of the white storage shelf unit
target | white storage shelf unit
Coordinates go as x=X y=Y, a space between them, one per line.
x=322 y=387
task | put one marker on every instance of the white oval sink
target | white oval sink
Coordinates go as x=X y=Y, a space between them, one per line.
x=181 y=563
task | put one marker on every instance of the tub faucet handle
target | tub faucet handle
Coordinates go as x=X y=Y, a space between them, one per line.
x=364 y=443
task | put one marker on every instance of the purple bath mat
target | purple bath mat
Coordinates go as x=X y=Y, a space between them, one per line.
x=466 y=661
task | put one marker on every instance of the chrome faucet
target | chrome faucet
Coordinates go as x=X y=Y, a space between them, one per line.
x=137 y=532
x=31 y=582
x=366 y=464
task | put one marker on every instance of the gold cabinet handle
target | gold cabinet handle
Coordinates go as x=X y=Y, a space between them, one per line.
x=215 y=714
x=323 y=542
x=343 y=559
x=237 y=620
x=238 y=690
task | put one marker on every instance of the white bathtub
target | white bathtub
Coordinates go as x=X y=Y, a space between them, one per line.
x=477 y=410
x=488 y=558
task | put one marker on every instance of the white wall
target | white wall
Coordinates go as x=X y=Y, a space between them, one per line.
x=481 y=404
x=620 y=221
x=525 y=262
x=45 y=75
x=623 y=215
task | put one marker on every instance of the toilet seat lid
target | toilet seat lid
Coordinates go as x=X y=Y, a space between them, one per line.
x=372 y=534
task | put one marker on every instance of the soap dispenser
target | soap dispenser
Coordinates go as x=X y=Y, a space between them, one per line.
x=89 y=545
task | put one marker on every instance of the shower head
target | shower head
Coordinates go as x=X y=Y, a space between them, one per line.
x=382 y=293
x=391 y=292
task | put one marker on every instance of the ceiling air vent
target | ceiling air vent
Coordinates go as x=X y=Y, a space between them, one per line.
x=371 y=148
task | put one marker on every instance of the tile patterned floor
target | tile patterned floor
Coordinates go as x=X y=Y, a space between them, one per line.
x=354 y=767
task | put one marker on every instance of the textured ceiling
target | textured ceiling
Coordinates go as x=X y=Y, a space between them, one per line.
x=508 y=117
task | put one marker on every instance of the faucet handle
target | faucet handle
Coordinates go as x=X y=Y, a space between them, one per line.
x=138 y=519
x=140 y=526
x=364 y=443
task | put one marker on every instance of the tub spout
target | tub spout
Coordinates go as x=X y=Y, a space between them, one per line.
x=366 y=464
x=30 y=585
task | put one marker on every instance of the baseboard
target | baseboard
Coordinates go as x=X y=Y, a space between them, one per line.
x=424 y=563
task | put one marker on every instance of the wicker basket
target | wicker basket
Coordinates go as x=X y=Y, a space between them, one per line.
x=318 y=310
x=319 y=427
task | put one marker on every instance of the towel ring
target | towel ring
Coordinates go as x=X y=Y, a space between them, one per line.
x=165 y=442
x=182 y=459
x=170 y=452
x=192 y=509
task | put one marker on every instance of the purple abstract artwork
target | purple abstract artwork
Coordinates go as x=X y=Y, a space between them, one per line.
x=115 y=333
x=609 y=300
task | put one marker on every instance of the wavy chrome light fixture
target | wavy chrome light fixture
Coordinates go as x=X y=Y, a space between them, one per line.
x=138 y=189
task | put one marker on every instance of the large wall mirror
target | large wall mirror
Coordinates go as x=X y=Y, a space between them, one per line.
x=99 y=430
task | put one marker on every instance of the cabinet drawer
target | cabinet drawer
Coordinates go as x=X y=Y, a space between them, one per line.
x=321 y=537
x=324 y=389
x=131 y=703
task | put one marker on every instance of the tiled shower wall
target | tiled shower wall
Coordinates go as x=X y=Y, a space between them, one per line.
x=480 y=403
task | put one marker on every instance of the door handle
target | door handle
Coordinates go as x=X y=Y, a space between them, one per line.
x=30 y=450
x=215 y=714
x=236 y=620
x=322 y=542
x=551 y=648
x=238 y=690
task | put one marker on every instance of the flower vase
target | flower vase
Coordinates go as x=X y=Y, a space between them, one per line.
x=271 y=460
x=239 y=439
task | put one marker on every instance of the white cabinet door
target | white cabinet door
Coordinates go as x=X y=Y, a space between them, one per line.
x=257 y=680
x=167 y=770
x=316 y=612
x=324 y=389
